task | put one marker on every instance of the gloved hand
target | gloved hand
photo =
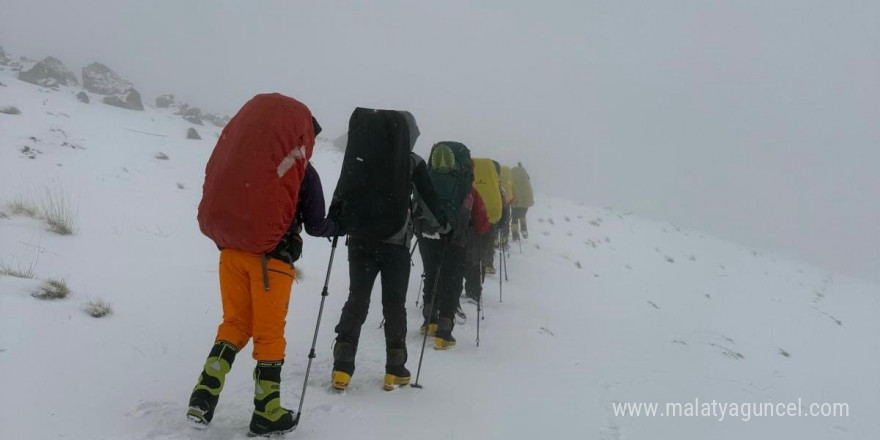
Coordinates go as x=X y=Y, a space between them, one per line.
x=445 y=229
x=334 y=214
x=340 y=228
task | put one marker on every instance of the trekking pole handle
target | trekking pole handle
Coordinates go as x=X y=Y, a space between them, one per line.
x=330 y=265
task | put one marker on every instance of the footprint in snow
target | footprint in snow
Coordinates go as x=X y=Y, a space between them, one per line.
x=727 y=352
x=546 y=331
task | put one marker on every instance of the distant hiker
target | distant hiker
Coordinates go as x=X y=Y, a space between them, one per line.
x=523 y=200
x=259 y=190
x=473 y=271
x=443 y=252
x=487 y=182
x=372 y=201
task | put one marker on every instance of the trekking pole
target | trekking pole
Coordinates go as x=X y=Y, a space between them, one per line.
x=482 y=268
x=480 y=316
x=430 y=314
x=312 y=356
x=420 y=290
x=500 y=267
x=505 y=256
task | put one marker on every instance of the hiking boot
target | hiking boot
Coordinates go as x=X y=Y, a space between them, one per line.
x=525 y=234
x=432 y=329
x=343 y=364
x=443 y=339
x=207 y=390
x=396 y=374
x=269 y=417
x=489 y=270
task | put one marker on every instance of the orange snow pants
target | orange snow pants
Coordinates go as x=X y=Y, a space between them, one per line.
x=249 y=309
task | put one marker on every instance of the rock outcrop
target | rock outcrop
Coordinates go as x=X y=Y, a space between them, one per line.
x=50 y=72
x=100 y=79
x=130 y=100
x=217 y=119
x=191 y=114
x=165 y=101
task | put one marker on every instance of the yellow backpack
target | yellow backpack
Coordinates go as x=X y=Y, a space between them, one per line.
x=487 y=183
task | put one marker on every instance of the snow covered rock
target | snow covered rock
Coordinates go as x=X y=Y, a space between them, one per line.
x=21 y=63
x=165 y=101
x=82 y=97
x=192 y=134
x=129 y=100
x=191 y=114
x=100 y=79
x=50 y=72
x=17 y=64
x=217 y=119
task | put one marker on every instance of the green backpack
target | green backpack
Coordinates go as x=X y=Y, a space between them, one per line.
x=452 y=174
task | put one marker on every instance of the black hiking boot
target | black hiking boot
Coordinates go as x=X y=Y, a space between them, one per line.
x=443 y=339
x=206 y=393
x=396 y=374
x=270 y=418
x=343 y=364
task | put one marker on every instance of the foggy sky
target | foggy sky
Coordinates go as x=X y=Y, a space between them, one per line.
x=754 y=120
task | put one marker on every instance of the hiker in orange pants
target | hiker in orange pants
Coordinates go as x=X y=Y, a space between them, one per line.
x=256 y=220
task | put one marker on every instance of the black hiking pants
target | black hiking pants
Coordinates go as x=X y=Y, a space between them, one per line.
x=473 y=272
x=487 y=246
x=450 y=277
x=366 y=260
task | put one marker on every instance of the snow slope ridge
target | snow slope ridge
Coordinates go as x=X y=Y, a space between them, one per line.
x=600 y=307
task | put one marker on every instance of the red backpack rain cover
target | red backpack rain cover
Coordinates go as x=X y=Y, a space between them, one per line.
x=253 y=176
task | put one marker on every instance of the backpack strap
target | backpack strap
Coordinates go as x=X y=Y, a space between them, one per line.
x=264 y=265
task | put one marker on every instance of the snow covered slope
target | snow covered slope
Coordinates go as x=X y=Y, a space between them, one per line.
x=601 y=307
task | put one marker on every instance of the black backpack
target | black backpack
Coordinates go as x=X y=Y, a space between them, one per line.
x=373 y=191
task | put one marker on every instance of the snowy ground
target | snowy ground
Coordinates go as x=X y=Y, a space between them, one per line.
x=601 y=307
